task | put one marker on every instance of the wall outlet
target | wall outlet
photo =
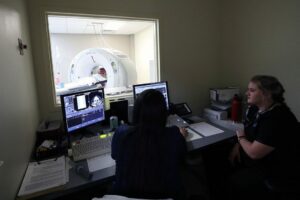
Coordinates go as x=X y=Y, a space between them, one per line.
x=1 y=163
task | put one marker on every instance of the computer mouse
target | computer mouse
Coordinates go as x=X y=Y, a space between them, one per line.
x=83 y=171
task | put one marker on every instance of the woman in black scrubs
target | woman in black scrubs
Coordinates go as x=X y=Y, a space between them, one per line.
x=267 y=150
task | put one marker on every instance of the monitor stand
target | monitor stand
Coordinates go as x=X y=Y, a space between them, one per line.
x=98 y=128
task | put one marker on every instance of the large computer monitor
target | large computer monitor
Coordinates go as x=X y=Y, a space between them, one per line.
x=160 y=86
x=82 y=109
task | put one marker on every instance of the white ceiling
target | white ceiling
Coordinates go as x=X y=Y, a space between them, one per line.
x=89 y=25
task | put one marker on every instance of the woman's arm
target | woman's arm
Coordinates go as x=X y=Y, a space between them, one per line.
x=254 y=150
x=234 y=155
x=115 y=143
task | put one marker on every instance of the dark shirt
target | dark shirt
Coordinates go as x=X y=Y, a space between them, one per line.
x=153 y=173
x=276 y=127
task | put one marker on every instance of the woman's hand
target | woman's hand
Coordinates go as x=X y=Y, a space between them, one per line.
x=235 y=154
x=240 y=133
x=183 y=132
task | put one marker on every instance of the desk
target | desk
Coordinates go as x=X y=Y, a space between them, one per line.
x=206 y=141
x=77 y=182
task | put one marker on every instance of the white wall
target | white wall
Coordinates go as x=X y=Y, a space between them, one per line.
x=262 y=37
x=189 y=43
x=19 y=113
x=144 y=53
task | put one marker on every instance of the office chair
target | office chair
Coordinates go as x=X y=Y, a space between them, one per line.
x=118 y=197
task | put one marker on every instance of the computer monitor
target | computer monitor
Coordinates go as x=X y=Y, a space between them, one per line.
x=82 y=109
x=160 y=86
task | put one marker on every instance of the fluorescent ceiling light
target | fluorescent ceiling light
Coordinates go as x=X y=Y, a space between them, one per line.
x=113 y=26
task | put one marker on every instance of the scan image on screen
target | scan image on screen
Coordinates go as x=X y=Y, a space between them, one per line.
x=81 y=102
x=95 y=99
x=82 y=109
x=160 y=86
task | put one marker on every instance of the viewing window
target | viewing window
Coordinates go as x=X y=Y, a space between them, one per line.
x=110 y=52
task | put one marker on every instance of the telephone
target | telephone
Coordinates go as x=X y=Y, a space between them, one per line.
x=49 y=140
x=49 y=130
x=182 y=109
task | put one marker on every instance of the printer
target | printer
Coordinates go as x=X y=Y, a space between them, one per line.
x=220 y=99
x=223 y=95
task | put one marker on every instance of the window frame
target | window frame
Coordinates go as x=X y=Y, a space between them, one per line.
x=156 y=52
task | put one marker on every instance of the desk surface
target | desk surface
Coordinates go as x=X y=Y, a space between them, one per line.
x=77 y=182
x=206 y=141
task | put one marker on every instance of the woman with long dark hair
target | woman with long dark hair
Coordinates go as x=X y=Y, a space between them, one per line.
x=148 y=154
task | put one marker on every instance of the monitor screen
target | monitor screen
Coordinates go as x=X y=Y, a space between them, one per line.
x=160 y=86
x=82 y=109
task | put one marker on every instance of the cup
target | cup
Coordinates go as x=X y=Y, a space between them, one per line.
x=113 y=122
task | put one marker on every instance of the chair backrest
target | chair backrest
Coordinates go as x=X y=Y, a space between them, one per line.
x=118 y=197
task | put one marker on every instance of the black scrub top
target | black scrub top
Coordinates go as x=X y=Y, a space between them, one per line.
x=276 y=127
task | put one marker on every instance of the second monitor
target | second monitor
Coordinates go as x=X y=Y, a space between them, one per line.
x=160 y=86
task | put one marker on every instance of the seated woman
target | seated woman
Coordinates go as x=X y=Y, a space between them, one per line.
x=268 y=147
x=148 y=154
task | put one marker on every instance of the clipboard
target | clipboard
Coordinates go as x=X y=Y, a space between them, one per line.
x=44 y=175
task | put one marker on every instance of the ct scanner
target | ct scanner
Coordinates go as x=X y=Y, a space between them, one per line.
x=99 y=67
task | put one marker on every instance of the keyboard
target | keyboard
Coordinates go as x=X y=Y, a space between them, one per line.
x=91 y=147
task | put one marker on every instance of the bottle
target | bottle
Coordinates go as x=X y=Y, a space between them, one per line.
x=113 y=121
x=235 y=108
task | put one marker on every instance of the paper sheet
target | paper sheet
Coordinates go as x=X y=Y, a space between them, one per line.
x=100 y=162
x=192 y=135
x=44 y=175
x=206 y=129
